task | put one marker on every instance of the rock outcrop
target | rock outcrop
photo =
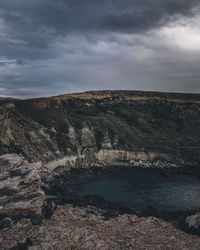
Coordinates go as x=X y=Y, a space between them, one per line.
x=20 y=188
x=193 y=222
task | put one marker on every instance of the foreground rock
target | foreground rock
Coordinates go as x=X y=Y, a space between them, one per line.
x=23 y=204
x=85 y=228
x=193 y=222
x=20 y=192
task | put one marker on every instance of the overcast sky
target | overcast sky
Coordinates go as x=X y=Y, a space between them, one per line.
x=51 y=47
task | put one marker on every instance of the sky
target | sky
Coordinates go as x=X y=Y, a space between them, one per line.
x=52 y=47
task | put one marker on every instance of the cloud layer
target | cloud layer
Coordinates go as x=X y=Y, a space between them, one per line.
x=50 y=47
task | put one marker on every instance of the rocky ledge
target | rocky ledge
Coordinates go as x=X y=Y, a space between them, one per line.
x=20 y=190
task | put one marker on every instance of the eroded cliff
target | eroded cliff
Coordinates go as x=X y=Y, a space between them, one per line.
x=138 y=128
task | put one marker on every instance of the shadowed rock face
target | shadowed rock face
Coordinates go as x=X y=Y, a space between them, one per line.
x=6 y=100
x=139 y=128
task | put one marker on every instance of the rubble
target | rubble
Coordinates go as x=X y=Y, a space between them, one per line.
x=77 y=228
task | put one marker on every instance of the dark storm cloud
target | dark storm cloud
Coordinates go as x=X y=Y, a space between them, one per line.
x=31 y=26
x=37 y=22
x=51 y=46
x=146 y=15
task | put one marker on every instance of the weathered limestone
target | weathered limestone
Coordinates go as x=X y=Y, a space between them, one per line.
x=67 y=161
x=125 y=155
x=106 y=144
x=20 y=182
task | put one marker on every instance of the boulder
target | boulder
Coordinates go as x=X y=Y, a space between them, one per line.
x=20 y=187
x=193 y=222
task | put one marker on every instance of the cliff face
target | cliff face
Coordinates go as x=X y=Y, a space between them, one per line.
x=131 y=126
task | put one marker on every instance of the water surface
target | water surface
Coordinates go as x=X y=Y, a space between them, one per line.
x=140 y=189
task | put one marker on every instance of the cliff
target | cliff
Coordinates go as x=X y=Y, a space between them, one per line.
x=138 y=128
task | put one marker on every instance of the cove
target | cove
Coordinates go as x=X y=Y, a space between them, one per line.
x=137 y=189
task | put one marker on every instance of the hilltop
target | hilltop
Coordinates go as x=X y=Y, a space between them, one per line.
x=97 y=126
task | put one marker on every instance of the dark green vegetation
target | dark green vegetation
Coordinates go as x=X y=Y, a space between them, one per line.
x=131 y=121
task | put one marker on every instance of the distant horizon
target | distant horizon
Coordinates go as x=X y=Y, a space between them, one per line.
x=103 y=90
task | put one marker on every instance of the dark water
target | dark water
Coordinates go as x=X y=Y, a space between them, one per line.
x=140 y=189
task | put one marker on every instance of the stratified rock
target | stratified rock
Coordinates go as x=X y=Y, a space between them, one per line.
x=20 y=182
